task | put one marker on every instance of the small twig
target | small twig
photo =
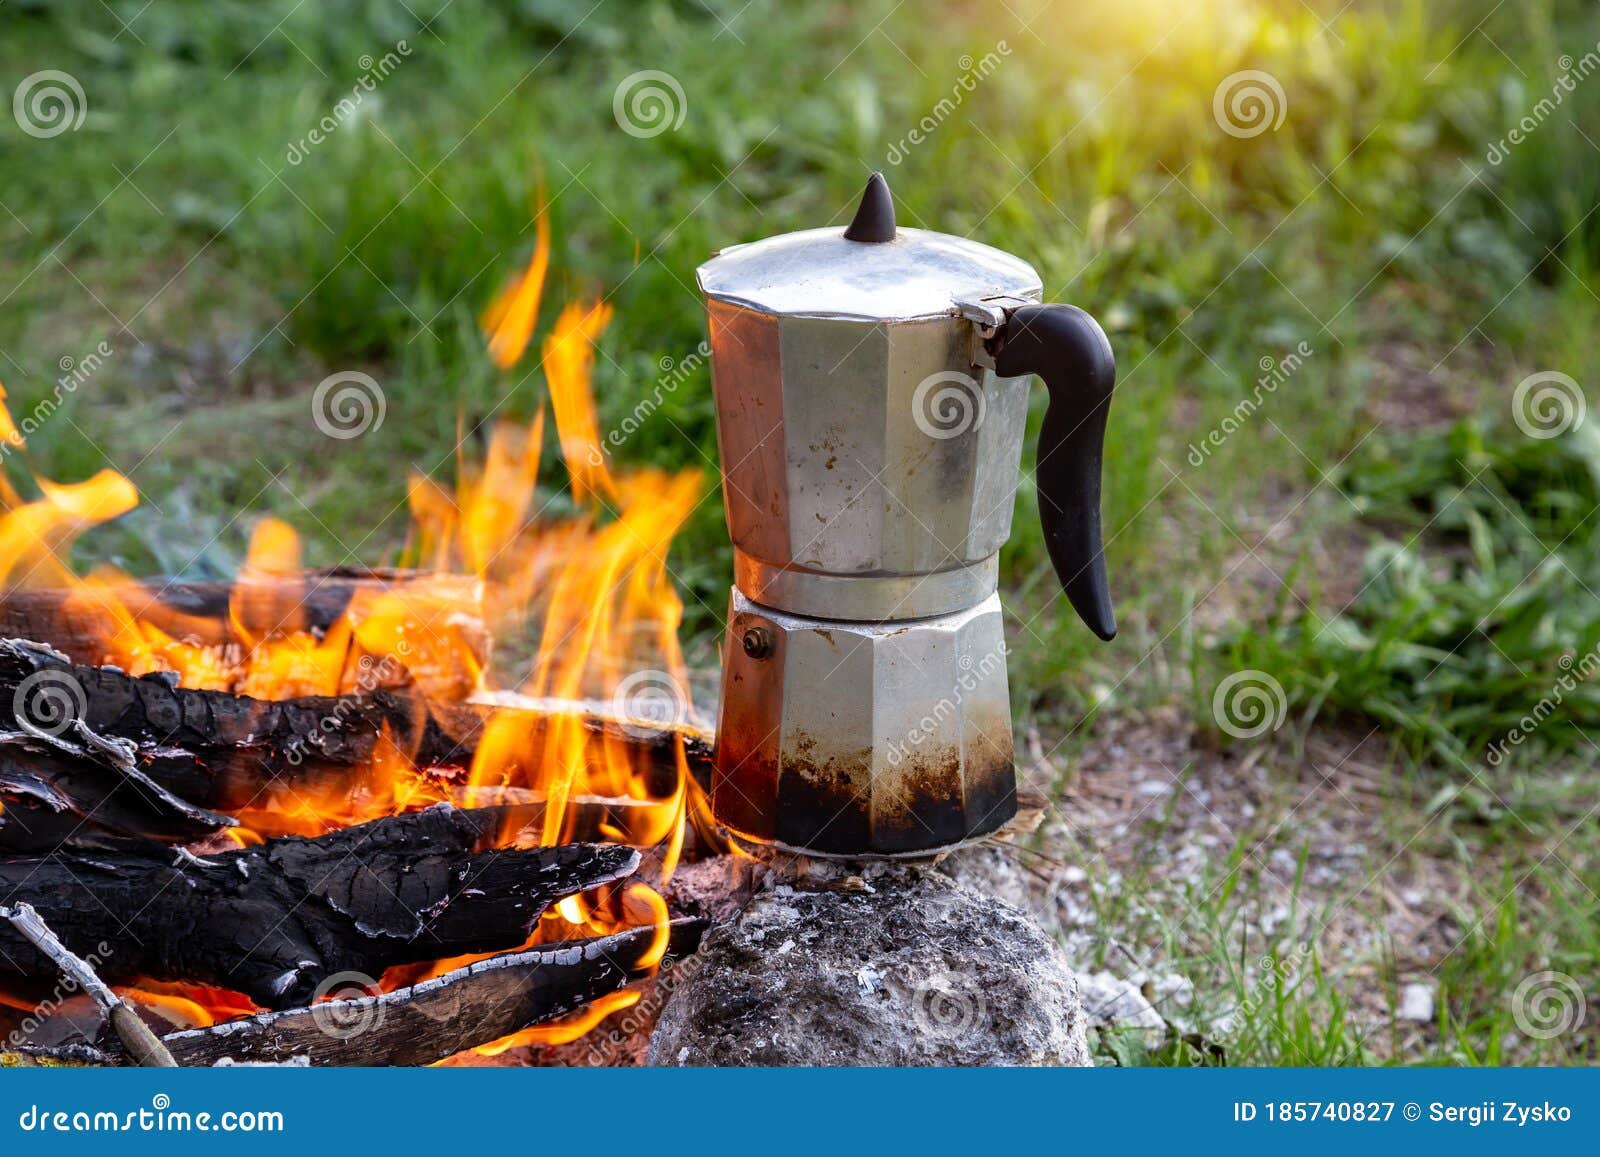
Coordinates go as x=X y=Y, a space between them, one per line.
x=136 y=1036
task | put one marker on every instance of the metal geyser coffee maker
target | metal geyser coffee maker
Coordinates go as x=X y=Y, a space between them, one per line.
x=871 y=390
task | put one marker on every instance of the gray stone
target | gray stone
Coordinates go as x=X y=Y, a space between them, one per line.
x=1111 y=1002
x=1416 y=1003
x=888 y=965
x=995 y=869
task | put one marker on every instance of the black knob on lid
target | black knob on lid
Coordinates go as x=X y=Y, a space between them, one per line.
x=874 y=219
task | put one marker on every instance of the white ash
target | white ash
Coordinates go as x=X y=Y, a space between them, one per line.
x=881 y=964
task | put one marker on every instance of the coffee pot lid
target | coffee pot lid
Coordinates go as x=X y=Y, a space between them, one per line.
x=868 y=271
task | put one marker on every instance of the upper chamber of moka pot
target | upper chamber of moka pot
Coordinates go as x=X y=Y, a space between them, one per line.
x=869 y=458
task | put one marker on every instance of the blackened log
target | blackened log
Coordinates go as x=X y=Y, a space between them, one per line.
x=243 y=746
x=135 y=1036
x=224 y=730
x=275 y=921
x=80 y=787
x=425 y=1022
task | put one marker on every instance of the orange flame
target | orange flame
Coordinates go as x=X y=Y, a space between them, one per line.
x=511 y=316
x=567 y=1029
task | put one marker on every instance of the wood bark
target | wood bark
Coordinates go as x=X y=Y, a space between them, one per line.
x=423 y=1023
x=222 y=752
x=277 y=920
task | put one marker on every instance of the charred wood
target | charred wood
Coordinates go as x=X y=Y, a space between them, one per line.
x=220 y=752
x=425 y=1022
x=275 y=921
x=81 y=787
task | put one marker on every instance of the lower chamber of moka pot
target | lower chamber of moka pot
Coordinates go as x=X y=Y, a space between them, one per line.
x=864 y=740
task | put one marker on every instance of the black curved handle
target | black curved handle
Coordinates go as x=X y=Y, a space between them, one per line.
x=1068 y=349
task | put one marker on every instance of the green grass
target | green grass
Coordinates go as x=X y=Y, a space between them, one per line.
x=1368 y=226
x=1476 y=620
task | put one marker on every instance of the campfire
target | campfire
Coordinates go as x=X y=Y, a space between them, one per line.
x=386 y=816
x=361 y=816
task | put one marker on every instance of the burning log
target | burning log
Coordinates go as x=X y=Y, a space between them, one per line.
x=275 y=921
x=226 y=752
x=425 y=1022
x=226 y=619
x=61 y=781
x=230 y=734
x=135 y=1035
x=236 y=733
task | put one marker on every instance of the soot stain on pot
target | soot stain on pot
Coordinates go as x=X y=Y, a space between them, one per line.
x=934 y=797
x=824 y=804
